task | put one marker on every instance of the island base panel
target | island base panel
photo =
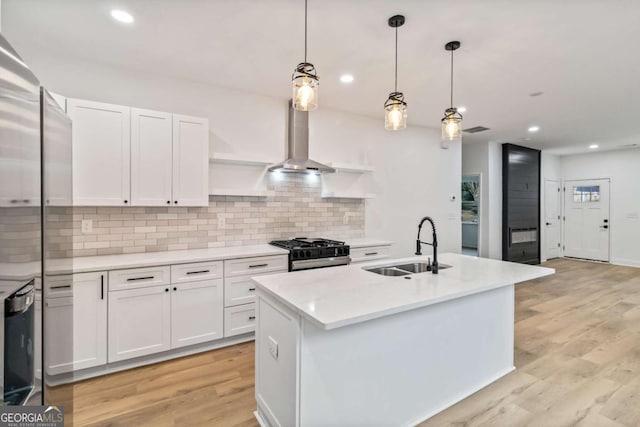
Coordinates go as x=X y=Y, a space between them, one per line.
x=396 y=370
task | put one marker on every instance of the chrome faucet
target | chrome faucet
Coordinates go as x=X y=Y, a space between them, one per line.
x=434 y=243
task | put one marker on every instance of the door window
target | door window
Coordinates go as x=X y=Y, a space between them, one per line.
x=586 y=194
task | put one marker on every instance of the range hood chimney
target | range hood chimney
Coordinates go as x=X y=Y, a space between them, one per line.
x=298 y=147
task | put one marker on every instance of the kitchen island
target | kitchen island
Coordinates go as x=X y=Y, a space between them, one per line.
x=344 y=346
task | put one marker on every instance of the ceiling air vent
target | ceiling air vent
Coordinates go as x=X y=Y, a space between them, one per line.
x=475 y=129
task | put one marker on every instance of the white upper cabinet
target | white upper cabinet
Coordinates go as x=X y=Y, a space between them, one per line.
x=57 y=152
x=101 y=153
x=190 y=161
x=126 y=156
x=151 y=158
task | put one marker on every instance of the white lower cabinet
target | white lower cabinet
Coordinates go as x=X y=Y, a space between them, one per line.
x=76 y=324
x=369 y=253
x=196 y=314
x=139 y=322
x=239 y=319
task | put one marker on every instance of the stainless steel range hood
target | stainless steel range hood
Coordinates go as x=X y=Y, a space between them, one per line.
x=298 y=147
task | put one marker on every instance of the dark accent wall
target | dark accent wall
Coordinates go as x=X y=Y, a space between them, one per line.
x=520 y=204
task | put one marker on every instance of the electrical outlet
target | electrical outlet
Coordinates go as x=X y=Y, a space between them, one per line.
x=273 y=347
x=222 y=222
x=87 y=225
x=345 y=218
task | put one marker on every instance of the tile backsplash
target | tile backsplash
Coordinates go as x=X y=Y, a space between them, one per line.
x=295 y=209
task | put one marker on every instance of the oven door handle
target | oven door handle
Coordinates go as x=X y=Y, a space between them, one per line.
x=319 y=262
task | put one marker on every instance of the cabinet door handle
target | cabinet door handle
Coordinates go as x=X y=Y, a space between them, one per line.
x=102 y=286
x=258 y=265
x=133 y=279
x=371 y=253
x=252 y=317
x=198 y=272
x=252 y=289
x=60 y=287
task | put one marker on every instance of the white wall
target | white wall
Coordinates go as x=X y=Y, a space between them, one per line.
x=486 y=158
x=549 y=170
x=623 y=168
x=475 y=160
x=413 y=176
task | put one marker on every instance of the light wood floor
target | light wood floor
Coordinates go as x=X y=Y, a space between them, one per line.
x=577 y=357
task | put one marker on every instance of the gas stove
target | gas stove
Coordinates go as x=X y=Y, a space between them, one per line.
x=305 y=253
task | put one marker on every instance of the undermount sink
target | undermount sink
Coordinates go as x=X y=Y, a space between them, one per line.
x=405 y=269
x=388 y=271
x=420 y=267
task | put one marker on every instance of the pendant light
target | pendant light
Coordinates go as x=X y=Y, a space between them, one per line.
x=305 y=81
x=395 y=108
x=452 y=121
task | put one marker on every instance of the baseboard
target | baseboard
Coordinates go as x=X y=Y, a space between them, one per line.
x=461 y=397
x=626 y=262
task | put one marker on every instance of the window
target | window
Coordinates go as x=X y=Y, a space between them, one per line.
x=586 y=194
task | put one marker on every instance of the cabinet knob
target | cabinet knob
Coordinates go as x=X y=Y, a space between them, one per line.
x=166 y=289
x=168 y=202
x=252 y=317
x=176 y=202
x=175 y=289
x=126 y=201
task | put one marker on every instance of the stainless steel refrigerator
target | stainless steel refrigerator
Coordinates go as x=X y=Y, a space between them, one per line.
x=35 y=169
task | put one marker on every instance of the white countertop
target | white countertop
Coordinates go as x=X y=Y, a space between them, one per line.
x=341 y=296
x=149 y=259
x=365 y=242
x=26 y=270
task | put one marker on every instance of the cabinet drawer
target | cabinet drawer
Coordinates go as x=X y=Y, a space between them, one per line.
x=370 y=253
x=196 y=271
x=59 y=286
x=139 y=278
x=239 y=319
x=257 y=265
x=63 y=286
x=239 y=290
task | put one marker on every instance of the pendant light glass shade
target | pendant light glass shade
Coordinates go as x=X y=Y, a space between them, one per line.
x=304 y=81
x=395 y=107
x=305 y=87
x=451 y=126
x=452 y=120
x=395 y=112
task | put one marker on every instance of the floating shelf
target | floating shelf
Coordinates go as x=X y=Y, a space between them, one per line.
x=347 y=195
x=240 y=192
x=234 y=159
x=351 y=167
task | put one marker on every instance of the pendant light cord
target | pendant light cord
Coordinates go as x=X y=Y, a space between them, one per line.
x=396 y=71
x=451 y=78
x=305 y=30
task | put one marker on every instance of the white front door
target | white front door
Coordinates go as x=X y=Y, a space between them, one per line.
x=587 y=221
x=552 y=218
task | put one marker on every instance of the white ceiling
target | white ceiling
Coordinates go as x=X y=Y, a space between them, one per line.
x=581 y=53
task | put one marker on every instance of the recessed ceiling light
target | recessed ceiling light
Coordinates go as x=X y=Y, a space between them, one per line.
x=593 y=146
x=534 y=129
x=462 y=109
x=346 y=78
x=122 y=16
